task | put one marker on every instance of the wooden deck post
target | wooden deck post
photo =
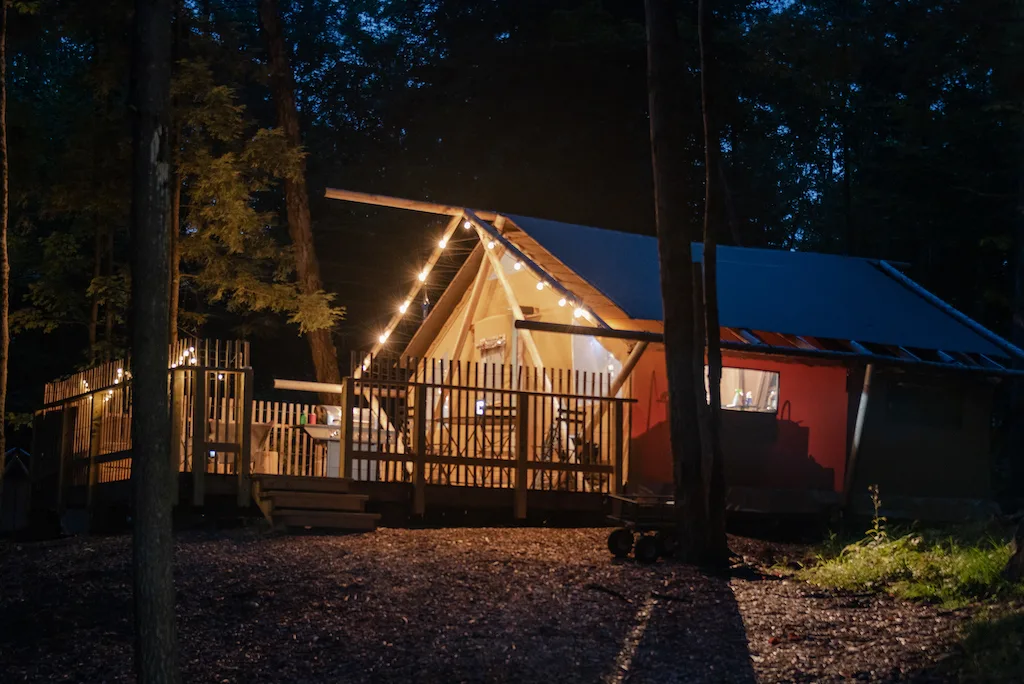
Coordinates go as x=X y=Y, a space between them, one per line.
x=347 y=404
x=419 y=450
x=617 y=440
x=199 y=436
x=522 y=452
x=95 y=434
x=177 y=421
x=245 y=467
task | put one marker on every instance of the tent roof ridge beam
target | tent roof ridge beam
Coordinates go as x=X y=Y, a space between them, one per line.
x=496 y=234
x=402 y=203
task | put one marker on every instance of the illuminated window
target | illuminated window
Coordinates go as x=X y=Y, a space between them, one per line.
x=745 y=389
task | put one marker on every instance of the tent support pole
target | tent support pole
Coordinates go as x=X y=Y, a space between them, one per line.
x=858 y=434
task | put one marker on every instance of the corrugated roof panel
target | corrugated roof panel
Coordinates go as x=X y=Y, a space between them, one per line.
x=796 y=293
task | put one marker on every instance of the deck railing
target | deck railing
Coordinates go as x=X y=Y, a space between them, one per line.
x=430 y=422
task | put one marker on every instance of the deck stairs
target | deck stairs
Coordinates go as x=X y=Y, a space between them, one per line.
x=320 y=503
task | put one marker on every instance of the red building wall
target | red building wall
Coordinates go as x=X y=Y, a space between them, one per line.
x=812 y=417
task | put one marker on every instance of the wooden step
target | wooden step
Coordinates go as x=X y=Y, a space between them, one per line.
x=320 y=501
x=333 y=520
x=299 y=483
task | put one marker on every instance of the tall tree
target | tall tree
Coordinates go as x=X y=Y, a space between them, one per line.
x=282 y=86
x=5 y=264
x=684 y=358
x=714 y=194
x=156 y=659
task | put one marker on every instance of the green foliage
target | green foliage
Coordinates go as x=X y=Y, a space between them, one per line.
x=229 y=253
x=950 y=567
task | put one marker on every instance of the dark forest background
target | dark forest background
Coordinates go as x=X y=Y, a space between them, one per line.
x=880 y=128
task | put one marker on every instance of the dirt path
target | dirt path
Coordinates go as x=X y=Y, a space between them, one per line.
x=473 y=605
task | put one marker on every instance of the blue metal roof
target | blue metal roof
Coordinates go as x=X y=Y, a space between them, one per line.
x=797 y=293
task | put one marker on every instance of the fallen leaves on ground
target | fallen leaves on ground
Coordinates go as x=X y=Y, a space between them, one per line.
x=450 y=605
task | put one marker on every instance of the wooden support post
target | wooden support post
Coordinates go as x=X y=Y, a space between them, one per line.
x=419 y=450
x=67 y=446
x=347 y=406
x=95 y=434
x=618 y=440
x=513 y=302
x=199 y=436
x=858 y=434
x=245 y=469
x=177 y=422
x=522 y=452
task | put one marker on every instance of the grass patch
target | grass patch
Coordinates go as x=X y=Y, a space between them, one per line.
x=952 y=568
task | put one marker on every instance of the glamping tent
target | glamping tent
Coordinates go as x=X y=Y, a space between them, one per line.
x=839 y=373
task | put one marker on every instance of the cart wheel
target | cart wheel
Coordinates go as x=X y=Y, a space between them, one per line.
x=620 y=542
x=646 y=549
x=666 y=543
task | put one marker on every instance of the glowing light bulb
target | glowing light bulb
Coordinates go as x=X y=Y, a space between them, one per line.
x=562 y=302
x=442 y=243
x=611 y=367
x=404 y=307
x=191 y=350
x=490 y=245
x=423 y=276
x=578 y=313
x=518 y=265
x=220 y=376
x=540 y=285
x=467 y=225
x=383 y=337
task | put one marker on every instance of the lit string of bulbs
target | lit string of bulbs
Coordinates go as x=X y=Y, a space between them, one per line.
x=567 y=299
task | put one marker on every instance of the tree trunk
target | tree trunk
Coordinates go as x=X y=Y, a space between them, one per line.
x=94 y=311
x=156 y=659
x=174 y=236
x=108 y=309
x=714 y=473
x=683 y=359
x=325 y=356
x=5 y=263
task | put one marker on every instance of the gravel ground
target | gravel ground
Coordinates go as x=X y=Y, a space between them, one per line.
x=450 y=605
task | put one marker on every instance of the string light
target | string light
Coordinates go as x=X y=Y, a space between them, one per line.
x=423 y=275
x=518 y=265
x=220 y=376
x=490 y=245
x=467 y=225
x=383 y=337
x=561 y=302
x=442 y=243
x=579 y=313
x=541 y=284
x=404 y=307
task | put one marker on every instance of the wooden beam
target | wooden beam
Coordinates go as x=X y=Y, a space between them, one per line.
x=513 y=302
x=400 y=203
x=612 y=333
x=541 y=273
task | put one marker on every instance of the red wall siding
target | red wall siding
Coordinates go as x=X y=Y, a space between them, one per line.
x=816 y=398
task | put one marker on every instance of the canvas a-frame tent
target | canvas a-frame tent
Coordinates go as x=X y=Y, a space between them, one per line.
x=839 y=372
